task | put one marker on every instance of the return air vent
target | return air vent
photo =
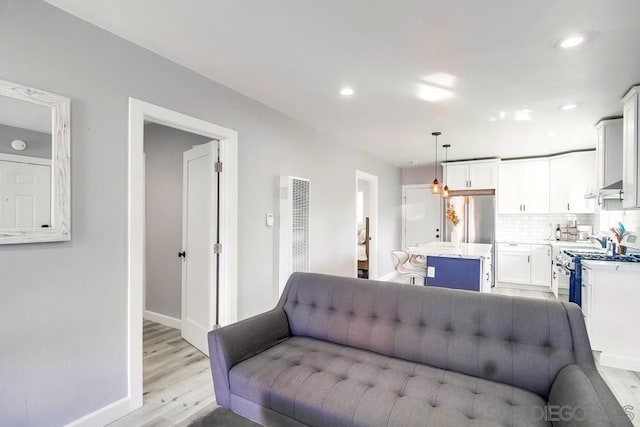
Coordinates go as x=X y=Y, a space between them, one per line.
x=294 y=227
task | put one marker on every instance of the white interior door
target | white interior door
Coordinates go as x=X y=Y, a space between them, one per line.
x=199 y=218
x=25 y=195
x=421 y=216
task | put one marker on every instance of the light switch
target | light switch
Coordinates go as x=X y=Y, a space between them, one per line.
x=431 y=272
x=269 y=219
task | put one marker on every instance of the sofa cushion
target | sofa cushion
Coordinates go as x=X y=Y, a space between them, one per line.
x=321 y=383
x=516 y=341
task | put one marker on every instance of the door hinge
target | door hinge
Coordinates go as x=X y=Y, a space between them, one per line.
x=217 y=166
x=217 y=248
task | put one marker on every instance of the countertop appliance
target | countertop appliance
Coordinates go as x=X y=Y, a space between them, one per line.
x=476 y=210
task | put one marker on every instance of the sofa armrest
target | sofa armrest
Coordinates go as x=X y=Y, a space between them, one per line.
x=239 y=341
x=580 y=397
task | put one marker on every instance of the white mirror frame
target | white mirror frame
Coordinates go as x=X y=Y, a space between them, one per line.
x=60 y=229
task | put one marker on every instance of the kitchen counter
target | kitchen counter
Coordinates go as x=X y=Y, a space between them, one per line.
x=448 y=249
x=613 y=265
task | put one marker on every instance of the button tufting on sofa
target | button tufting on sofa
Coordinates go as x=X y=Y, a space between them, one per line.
x=368 y=350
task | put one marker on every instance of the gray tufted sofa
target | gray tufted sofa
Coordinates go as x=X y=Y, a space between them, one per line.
x=339 y=352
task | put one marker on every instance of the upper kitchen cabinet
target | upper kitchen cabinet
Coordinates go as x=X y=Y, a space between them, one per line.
x=630 y=122
x=523 y=186
x=473 y=175
x=608 y=152
x=571 y=176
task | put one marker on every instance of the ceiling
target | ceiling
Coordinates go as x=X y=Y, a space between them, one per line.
x=294 y=56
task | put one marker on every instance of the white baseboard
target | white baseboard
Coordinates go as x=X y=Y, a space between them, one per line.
x=169 y=321
x=387 y=277
x=620 y=362
x=104 y=415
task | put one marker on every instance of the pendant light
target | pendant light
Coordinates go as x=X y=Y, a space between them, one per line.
x=435 y=185
x=445 y=190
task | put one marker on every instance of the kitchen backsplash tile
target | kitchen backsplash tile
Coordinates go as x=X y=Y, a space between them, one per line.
x=630 y=219
x=532 y=227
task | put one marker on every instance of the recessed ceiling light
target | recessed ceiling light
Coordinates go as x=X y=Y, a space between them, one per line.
x=503 y=115
x=551 y=134
x=568 y=107
x=347 y=91
x=572 y=41
x=492 y=119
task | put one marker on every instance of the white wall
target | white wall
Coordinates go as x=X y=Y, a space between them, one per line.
x=63 y=306
x=415 y=175
x=163 y=147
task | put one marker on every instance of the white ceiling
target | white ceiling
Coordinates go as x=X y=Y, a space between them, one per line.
x=295 y=55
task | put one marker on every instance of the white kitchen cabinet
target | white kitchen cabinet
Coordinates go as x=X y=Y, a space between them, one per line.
x=630 y=122
x=456 y=176
x=421 y=215
x=608 y=152
x=524 y=264
x=475 y=175
x=582 y=181
x=523 y=186
x=486 y=275
x=541 y=265
x=571 y=176
x=514 y=263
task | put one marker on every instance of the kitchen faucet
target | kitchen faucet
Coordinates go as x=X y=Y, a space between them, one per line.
x=602 y=241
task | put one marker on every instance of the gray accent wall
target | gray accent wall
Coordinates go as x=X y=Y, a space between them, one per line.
x=38 y=143
x=63 y=306
x=163 y=148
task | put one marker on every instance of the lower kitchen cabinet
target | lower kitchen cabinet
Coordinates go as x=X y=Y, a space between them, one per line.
x=524 y=264
x=541 y=265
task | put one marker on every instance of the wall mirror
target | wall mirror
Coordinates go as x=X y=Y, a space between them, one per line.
x=34 y=165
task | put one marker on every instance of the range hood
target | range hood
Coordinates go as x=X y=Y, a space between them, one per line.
x=608 y=198
x=613 y=191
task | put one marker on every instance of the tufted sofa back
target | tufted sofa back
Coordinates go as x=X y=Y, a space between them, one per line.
x=522 y=342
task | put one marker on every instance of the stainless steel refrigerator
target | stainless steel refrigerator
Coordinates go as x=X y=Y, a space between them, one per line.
x=476 y=210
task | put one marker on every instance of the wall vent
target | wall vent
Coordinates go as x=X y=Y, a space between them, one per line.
x=294 y=227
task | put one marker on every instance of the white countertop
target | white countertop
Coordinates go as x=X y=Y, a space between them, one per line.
x=557 y=243
x=448 y=249
x=613 y=265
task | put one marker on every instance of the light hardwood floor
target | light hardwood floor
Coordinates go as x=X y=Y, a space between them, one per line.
x=178 y=388
x=177 y=381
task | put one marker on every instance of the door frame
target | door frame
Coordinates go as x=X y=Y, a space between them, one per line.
x=372 y=180
x=139 y=113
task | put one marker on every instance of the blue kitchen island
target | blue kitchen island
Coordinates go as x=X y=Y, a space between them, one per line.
x=464 y=266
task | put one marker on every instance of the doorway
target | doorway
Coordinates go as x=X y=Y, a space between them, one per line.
x=366 y=229
x=180 y=220
x=141 y=113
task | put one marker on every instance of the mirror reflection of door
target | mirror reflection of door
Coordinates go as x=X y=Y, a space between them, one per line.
x=25 y=193
x=25 y=164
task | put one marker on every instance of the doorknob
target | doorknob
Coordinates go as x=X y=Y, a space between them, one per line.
x=182 y=254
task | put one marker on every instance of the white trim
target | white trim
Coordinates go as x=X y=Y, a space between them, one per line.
x=24 y=159
x=373 y=224
x=163 y=319
x=104 y=415
x=60 y=229
x=139 y=112
x=620 y=362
